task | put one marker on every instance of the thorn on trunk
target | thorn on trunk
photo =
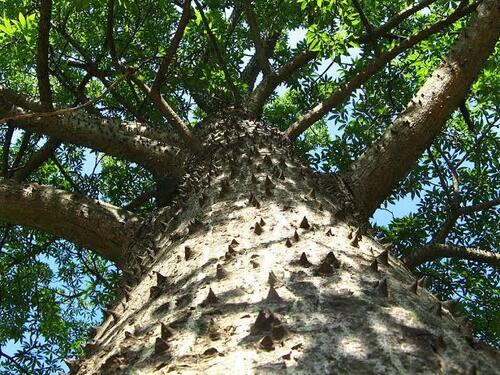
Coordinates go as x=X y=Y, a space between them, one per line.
x=213 y=330
x=221 y=272
x=296 y=236
x=154 y=292
x=324 y=269
x=278 y=330
x=234 y=242
x=437 y=309
x=254 y=179
x=414 y=287
x=273 y=296
x=211 y=298
x=266 y=343
x=303 y=261
x=161 y=346
x=272 y=279
x=268 y=183
x=288 y=243
x=188 y=252
x=312 y=194
x=424 y=281
x=263 y=321
x=304 y=224
x=384 y=257
x=166 y=331
x=354 y=242
x=329 y=232
x=262 y=222
x=374 y=265
x=257 y=229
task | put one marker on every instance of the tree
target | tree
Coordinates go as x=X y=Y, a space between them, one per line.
x=238 y=227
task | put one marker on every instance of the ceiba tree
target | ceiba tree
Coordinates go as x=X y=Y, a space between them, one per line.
x=251 y=262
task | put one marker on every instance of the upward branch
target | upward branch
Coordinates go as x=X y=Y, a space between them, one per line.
x=377 y=171
x=172 y=49
x=260 y=50
x=340 y=95
x=97 y=225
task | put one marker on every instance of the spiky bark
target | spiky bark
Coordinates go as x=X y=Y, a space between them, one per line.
x=261 y=270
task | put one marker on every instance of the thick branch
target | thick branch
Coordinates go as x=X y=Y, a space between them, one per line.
x=126 y=140
x=260 y=50
x=380 y=168
x=264 y=90
x=172 y=49
x=42 y=56
x=251 y=70
x=440 y=251
x=86 y=222
x=369 y=71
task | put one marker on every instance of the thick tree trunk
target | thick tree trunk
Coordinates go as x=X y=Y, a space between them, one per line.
x=256 y=270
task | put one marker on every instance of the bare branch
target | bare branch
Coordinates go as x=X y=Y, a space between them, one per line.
x=440 y=251
x=86 y=222
x=260 y=50
x=394 y=21
x=479 y=207
x=369 y=71
x=172 y=117
x=37 y=159
x=180 y=127
x=174 y=45
x=42 y=56
x=6 y=150
x=262 y=92
x=377 y=171
x=218 y=53
x=251 y=70
x=466 y=116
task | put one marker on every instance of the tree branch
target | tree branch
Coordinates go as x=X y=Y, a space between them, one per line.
x=377 y=171
x=172 y=49
x=393 y=21
x=218 y=53
x=127 y=140
x=440 y=251
x=260 y=50
x=6 y=150
x=251 y=70
x=37 y=159
x=42 y=56
x=86 y=222
x=179 y=126
x=263 y=91
x=369 y=71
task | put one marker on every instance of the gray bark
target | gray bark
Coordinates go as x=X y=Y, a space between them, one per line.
x=377 y=171
x=256 y=273
x=87 y=222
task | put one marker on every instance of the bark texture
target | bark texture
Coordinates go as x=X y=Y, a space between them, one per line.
x=87 y=222
x=377 y=171
x=258 y=269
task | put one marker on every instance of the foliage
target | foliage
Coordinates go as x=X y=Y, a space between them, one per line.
x=51 y=292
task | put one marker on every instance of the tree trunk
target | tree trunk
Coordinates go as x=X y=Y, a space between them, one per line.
x=258 y=268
